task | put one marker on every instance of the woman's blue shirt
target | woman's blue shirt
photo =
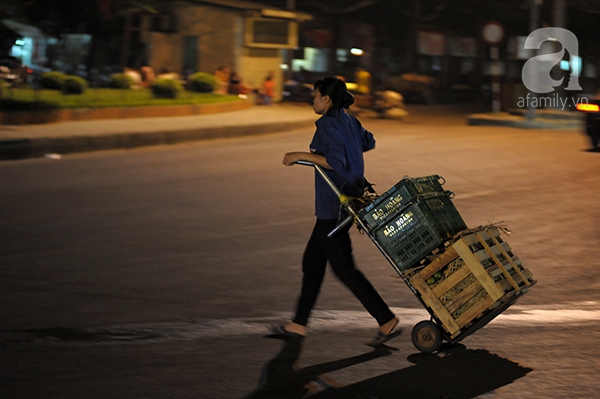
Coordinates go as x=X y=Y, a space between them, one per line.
x=341 y=139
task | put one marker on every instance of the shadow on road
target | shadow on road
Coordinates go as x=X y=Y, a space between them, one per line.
x=454 y=372
x=281 y=378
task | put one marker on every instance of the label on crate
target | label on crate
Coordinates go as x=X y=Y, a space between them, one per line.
x=391 y=206
x=399 y=224
x=399 y=196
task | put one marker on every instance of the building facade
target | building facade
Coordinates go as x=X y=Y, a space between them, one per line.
x=201 y=36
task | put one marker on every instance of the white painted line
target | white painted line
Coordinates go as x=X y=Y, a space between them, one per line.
x=322 y=320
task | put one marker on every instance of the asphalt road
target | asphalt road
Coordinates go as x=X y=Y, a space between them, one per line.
x=152 y=273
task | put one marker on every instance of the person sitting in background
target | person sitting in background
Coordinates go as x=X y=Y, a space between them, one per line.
x=135 y=75
x=148 y=76
x=236 y=87
x=165 y=74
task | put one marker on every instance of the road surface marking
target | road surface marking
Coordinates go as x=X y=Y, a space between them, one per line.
x=321 y=320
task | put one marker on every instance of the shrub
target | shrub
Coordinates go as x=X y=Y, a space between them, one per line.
x=9 y=104
x=166 y=88
x=202 y=82
x=74 y=85
x=52 y=80
x=121 y=81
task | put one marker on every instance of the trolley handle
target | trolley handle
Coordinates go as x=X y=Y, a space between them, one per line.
x=352 y=213
x=320 y=170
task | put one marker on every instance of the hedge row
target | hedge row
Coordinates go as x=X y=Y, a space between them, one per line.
x=200 y=82
x=68 y=84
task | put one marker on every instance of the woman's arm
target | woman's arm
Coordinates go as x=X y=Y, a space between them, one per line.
x=292 y=157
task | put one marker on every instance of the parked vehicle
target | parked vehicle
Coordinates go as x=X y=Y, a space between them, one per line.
x=295 y=91
x=591 y=108
x=13 y=72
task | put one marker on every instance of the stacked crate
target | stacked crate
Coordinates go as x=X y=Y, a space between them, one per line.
x=465 y=277
x=474 y=275
x=388 y=204
x=412 y=219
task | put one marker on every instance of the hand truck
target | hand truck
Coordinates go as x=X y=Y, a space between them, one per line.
x=463 y=284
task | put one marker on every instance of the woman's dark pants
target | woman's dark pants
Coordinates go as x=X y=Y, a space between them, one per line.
x=338 y=251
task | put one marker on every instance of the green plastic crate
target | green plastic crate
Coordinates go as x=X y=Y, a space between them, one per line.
x=424 y=224
x=387 y=205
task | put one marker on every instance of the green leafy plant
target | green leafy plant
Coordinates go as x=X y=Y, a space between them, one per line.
x=52 y=80
x=166 y=88
x=202 y=82
x=9 y=104
x=74 y=85
x=121 y=81
x=26 y=99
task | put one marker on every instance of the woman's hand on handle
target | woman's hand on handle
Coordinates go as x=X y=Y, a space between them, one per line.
x=291 y=158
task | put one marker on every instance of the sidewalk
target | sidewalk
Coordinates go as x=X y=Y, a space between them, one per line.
x=28 y=141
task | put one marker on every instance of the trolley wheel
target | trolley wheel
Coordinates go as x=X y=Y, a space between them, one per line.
x=426 y=336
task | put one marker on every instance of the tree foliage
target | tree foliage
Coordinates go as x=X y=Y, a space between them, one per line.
x=56 y=17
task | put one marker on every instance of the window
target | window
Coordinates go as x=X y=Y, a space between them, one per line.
x=273 y=33
x=163 y=23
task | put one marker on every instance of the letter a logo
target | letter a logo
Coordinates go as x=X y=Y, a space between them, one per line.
x=536 y=71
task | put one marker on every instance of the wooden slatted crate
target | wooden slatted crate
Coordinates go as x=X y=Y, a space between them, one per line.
x=475 y=274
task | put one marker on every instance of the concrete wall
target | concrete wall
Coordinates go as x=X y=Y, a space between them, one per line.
x=165 y=52
x=220 y=35
x=217 y=30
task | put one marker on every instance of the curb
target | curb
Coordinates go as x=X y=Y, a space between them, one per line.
x=35 y=148
x=553 y=114
x=523 y=123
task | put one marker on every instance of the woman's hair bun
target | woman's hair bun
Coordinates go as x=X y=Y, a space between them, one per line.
x=336 y=89
x=347 y=99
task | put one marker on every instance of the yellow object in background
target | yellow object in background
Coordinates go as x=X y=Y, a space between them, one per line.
x=363 y=81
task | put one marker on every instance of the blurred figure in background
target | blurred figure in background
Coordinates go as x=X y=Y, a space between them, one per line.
x=222 y=74
x=148 y=76
x=135 y=75
x=363 y=81
x=236 y=86
x=268 y=90
x=166 y=74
